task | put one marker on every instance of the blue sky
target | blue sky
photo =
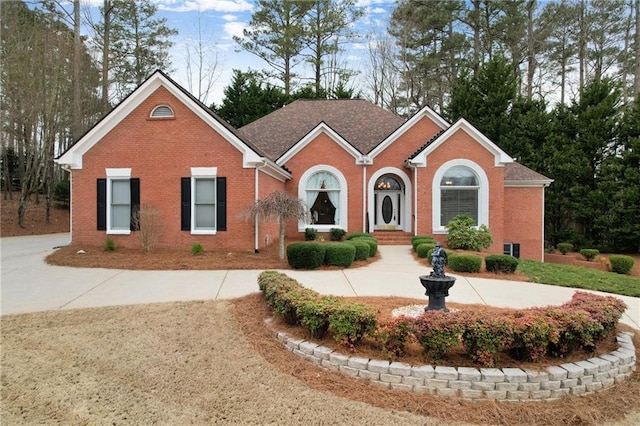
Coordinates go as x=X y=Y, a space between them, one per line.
x=220 y=20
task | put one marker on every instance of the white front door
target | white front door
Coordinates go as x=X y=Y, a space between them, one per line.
x=388 y=214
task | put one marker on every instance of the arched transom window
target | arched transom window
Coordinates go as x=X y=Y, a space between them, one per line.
x=162 y=111
x=388 y=183
x=459 y=188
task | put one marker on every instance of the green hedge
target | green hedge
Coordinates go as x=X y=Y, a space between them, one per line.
x=352 y=235
x=305 y=255
x=339 y=254
x=422 y=237
x=372 y=242
x=336 y=234
x=565 y=248
x=415 y=242
x=620 y=263
x=501 y=263
x=349 y=322
x=422 y=250
x=464 y=262
x=362 y=248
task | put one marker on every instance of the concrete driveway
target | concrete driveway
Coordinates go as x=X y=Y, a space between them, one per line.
x=28 y=284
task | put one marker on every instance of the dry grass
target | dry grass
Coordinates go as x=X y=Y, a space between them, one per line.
x=217 y=363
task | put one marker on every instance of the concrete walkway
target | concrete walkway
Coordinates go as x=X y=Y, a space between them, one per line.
x=28 y=284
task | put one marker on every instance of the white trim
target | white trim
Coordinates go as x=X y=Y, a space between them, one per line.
x=202 y=173
x=528 y=183
x=483 y=193
x=171 y=113
x=424 y=112
x=405 y=223
x=312 y=135
x=500 y=157
x=344 y=207
x=116 y=174
x=73 y=156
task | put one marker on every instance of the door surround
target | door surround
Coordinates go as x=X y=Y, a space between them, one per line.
x=406 y=205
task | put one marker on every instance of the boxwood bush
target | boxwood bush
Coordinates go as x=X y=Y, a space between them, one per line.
x=362 y=248
x=336 y=234
x=339 y=254
x=305 y=255
x=372 y=242
x=620 y=263
x=501 y=263
x=464 y=262
x=352 y=235
x=422 y=250
x=565 y=248
x=422 y=237
x=589 y=254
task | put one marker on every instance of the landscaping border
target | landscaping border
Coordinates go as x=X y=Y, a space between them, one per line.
x=506 y=384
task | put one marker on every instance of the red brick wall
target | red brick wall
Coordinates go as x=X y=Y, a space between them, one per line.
x=461 y=145
x=268 y=231
x=160 y=152
x=524 y=220
x=324 y=150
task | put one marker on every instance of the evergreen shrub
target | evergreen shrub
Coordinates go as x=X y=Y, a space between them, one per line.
x=362 y=248
x=310 y=234
x=589 y=254
x=565 y=248
x=501 y=263
x=463 y=234
x=465 y=262
x=196 y=249
x=423 y=249
x=339 y=254
x=109 y=245
x=336 y=234
x=415 y=242
x=621 y=263
x=372 y=242
x=305 y=255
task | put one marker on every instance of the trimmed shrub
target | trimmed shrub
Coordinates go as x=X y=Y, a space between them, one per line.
x=423 y=249
x=339 y=254
x=576 y=327
x=196 y=249
x=533 y=333
x=589 y=254
x=350 y=322
x=352 y=235
x=607 y=310
x=310 y=234
x=393 y=336
x=109 y=245
x=565 y=248
x=362 y=248
x=437 y=332
x=314 y=314
x=372 y=242
x=463 y=234
x=485 y=336
x=465 y=262
x=336 y=234
x=422 y=237
x=620 y=263
x=501 y=263
x=415 y=242
x=305 y=255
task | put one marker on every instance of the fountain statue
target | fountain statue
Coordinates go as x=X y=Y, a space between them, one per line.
x=437 y=284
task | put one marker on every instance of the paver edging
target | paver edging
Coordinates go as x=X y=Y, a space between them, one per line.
x=477 y=384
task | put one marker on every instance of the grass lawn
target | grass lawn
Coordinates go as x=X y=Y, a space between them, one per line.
x=577 y=277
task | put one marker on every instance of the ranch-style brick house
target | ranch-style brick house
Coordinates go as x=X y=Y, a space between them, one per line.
x=356 y=166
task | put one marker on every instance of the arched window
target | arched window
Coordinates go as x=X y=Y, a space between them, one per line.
x=458 y=194
x=324 y=191
x=162 y=111
x=389 y=183
x=460 y=187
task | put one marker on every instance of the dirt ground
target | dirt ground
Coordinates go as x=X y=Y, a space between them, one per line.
x=217 y=363
x=34 y=219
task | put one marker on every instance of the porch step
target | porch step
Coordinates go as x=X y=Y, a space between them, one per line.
x=393 y=238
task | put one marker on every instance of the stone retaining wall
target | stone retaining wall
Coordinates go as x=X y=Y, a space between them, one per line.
x=505 y=384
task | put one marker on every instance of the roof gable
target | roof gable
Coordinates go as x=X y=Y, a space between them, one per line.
x=322 y=128
x=73 y=156
x=425 y=112
x=419 y=158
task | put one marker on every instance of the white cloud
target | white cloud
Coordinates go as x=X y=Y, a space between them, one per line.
x=205 y=5
x=229 y=17
x=378 y=10
x=234 y=29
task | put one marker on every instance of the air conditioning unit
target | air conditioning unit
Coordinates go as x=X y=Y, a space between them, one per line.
x=512 y=249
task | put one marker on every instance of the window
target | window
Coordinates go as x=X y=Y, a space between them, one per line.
x=118 y=200
x=162 y=111
x=204 y=201
x=458 y=194
x=324 y=191
x=459 y=187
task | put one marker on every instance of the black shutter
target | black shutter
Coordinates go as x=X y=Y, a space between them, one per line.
x=221 y=203
x=102 y=204
x=185 y=208
x=134 y=183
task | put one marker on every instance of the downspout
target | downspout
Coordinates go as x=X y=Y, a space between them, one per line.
x=364 y=197
x=415 y=195
x=256 y=247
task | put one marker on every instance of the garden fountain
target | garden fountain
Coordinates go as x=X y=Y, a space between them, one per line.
x=437 y=284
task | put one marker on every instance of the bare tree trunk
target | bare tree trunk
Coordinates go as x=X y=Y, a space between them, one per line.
x=582 y=43
x=76 y=119
x=281 y=239
x=105 y=56
x=531 y=54
x=636 y=77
